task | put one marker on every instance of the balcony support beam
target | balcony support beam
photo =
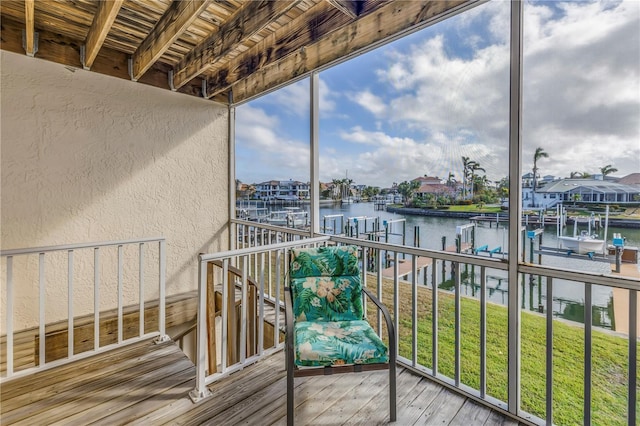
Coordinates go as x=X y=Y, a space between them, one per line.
x=515 y=205
x=314 y=138
x=232 y=169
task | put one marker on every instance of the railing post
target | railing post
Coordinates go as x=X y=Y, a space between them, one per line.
x=201 y=391
x=457 y=325
x=70 y=306
x=587 y=352
x=549 y=347
x=96 y=298
x=414 y=309
x=9 y=316
x=120 y=279
x=434 y=316
x=141 y=288
x=633 y=357
x=162 y=260
x=483 y=332
x=41 y=330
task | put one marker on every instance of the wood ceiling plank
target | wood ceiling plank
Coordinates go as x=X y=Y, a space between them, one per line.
x=171 y=25
x=247 y=21
x=348 y=7
x=317 y=39
x=102 y=22
x=29 y=15
x=276 y=46
x=63 y=50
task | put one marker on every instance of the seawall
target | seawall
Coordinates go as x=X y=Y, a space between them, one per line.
x=618 y=223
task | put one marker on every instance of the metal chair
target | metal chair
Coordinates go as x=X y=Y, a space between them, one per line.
x=326 y=332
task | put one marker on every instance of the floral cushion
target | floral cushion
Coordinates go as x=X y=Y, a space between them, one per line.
x=323 y=343
x=327 y=298
x=324 y=262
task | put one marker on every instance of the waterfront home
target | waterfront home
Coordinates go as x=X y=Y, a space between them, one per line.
x=119 y=234
x=434 y=186
x=587 y=191
x=276 y=190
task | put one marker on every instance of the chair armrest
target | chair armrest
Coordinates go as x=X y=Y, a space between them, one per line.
x=390 y=327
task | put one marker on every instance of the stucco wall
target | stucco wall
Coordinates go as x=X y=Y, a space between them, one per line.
x=86 y=158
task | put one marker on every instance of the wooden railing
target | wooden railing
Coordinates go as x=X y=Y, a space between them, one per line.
x=26 y=350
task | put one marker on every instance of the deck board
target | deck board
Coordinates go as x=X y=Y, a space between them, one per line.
x=148 y=384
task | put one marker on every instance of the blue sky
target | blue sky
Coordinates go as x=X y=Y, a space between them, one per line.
x=416 y=106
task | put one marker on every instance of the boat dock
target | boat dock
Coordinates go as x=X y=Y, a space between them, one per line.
x=405 y=267
x=621 y=298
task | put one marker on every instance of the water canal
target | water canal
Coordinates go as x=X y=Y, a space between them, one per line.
x=568 y=296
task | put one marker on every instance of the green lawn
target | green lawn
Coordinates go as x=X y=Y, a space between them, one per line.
x=609 y=355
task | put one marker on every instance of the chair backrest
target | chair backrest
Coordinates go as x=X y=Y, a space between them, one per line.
x=326 y=284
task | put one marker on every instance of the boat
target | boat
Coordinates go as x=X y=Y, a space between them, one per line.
x=585 y=242
x=255 y=214
x=288 y=218
x=348 y=200
x=582 y=244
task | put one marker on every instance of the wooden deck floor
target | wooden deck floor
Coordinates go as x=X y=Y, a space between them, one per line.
x=148 y=384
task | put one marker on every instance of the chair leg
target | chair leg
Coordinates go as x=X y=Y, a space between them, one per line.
x=290 y=400
x=392 y=392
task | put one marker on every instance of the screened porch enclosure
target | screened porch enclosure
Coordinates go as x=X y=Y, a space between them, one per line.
x=122 y=195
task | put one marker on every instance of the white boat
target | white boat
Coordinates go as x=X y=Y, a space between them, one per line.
x=348 y=200
x=583 y=243
x=288 y=218
x=256 y=214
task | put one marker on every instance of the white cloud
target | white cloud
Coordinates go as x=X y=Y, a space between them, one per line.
x=582 y=78
x=269 y=155
x=581 y=87
x=433 y=104
x=401 y=158
x=370 y=102
x=294 y=98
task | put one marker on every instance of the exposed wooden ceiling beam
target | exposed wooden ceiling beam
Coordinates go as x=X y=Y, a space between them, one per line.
x=292 y=51
x=171 y=25
x=348 y=7
x=29 y=38
x=102 y=22
x=66 y=51
x=246 y=22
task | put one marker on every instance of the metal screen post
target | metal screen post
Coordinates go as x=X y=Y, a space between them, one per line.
x=515 y=202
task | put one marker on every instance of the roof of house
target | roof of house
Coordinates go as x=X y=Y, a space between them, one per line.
x=632 y=179
x=431 y=188
x=428 y=180
x=583 y=185
x=229 y=51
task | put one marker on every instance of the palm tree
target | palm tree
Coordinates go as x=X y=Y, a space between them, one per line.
x=607 y=170
x=540 y=153
x=465 y=168
x=451 y=179
x=575 y=175
x=337 y=183
x=347 y=187
x=473 y=168
x=407 y=189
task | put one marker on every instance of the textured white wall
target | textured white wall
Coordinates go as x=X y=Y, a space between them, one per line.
x=86 y=158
